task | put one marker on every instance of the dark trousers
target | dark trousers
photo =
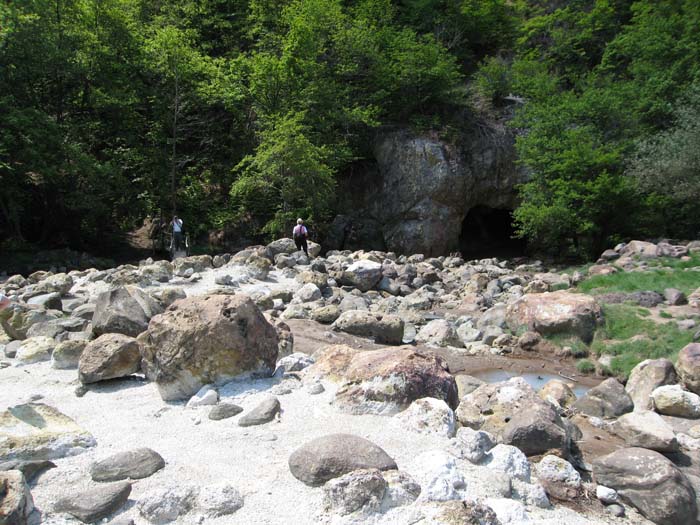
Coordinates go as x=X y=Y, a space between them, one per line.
x=301 y=244
x=177 y=241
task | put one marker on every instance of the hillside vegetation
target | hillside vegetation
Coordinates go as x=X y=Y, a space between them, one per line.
x=243 y=112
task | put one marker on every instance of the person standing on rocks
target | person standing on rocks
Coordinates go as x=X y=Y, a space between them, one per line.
x=300 y=233
x=177 y=225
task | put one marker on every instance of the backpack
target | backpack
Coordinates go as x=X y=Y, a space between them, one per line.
x=299 y=233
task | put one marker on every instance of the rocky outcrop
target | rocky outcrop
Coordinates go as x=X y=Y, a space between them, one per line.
x=422 y=189
x=384 y=381
x=207 y=339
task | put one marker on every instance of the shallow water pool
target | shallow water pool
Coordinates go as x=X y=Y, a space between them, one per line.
x=536 y=380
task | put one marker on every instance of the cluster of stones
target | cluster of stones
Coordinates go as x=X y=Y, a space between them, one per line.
x=128 y=320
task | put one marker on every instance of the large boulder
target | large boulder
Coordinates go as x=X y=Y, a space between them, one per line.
x=16 y=502
x=108 y=357
x=640 y=249
x=363 y=275
x=650 y=482
x=35 y=431
x=688 y=367
x=646 y=429
x=514 y=412
x=646 y=377
x=386 y=329
x=331 y=456
x=555 y=313
x=124 y=310
x=384 y=381
x=439 y=332
x=207 y=339
x=608 y=399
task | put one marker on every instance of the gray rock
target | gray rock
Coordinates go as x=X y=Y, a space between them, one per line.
x=616 y=510
x=646 y=429
x=650 y=482
x=109 y=356
x=264 y=412
x=326 y=314
x=646 y=377
x=315 y=389
x=333 y=455
x=224 y=411
x=357 y=490
x=647 y=299
x=363 y=275
x=133 y=464
x=50 y=301
x=672 y=400
x=95 y=503
x=559 y=478
x=608 y=399
x=85 y=311
x=124 y=310
x=472 y=445
x=536 y=431
x=219 y=500
x=675 y=297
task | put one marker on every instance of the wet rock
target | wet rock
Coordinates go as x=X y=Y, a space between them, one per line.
x=385 y=381
x=330 y=456
x=166 y=504
x=108 y=357
x=647 y=430
x=223 y=336
x=224 y=411
x=137 y=463
x=35 y=431
x=95 y=503
x=646 y=377
x=648 y=481
x=358 y=490
x=16 y=503
x=264 y=412
x=688 y=367
x=428 y=416
x=387 y=329
x=124 y=310
x=67 y=354
x=555 y=313
x=608 y=399
x=672 y=400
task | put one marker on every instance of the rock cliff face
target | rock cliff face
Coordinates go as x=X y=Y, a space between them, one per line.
x=417 y=195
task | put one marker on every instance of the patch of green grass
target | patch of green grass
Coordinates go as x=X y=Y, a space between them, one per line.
x=584 y=366
x=643 y=312
x=665 y=315
x=622 y=322
x=672 y=262
x=654 y=279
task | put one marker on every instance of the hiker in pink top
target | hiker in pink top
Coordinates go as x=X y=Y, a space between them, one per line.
x=300 y=233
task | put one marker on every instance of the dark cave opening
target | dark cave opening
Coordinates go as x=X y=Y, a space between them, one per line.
x=488 y=232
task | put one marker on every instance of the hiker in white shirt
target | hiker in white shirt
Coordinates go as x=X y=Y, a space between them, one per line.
x=177 y=225
x=300 y=233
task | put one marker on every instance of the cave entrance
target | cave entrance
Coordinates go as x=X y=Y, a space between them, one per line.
x=488 y=232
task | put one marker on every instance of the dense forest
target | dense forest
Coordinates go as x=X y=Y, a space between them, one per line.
x=244 y=112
